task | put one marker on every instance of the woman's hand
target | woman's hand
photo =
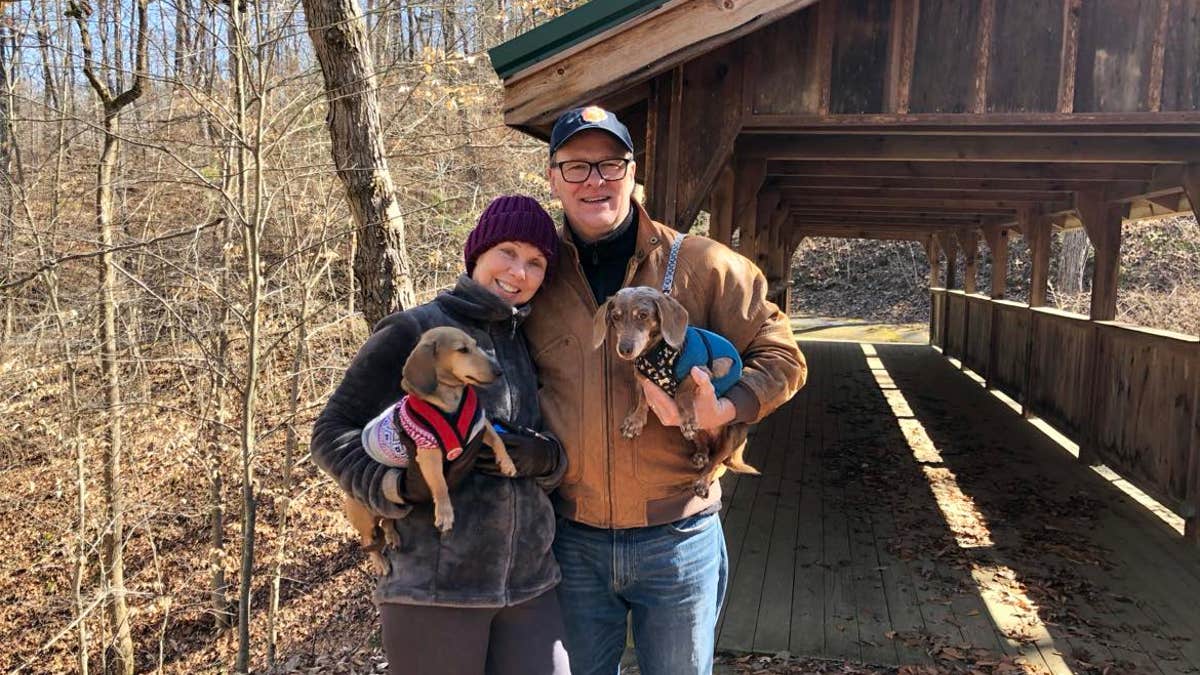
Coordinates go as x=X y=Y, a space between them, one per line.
x=711 y=412
x=534 y=454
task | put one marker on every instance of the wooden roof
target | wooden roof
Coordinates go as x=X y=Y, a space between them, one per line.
x=894 y=118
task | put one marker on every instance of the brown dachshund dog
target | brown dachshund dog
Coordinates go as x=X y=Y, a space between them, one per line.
x=640 y=317
x=440 y=368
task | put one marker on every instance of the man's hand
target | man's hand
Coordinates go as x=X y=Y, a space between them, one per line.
x=711 y=412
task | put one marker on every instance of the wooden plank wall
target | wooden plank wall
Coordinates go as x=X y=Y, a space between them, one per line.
x=1130 y=396
x=1010 y=335
x=955 y=323
x=839 y=57
x=979 y=333
x=1059 y=369
x=1145 y=382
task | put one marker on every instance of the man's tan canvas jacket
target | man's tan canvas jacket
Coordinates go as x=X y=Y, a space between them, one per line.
x=614 y=482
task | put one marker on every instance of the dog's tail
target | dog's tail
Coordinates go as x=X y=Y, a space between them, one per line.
x=737 y=465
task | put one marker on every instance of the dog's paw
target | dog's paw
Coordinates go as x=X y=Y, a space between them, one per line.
x=380 y=564
x=443 y=518
x=699 y=459
x=390 y=534
x=689 y=429
x=700 y=487
x=632 y=427
x=506 y=466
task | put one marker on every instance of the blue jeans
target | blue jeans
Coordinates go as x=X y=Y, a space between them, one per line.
x=672 y=579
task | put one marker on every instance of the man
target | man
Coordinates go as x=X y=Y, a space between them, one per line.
x=633 y=537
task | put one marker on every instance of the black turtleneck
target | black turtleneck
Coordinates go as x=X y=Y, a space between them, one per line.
x=606 y=260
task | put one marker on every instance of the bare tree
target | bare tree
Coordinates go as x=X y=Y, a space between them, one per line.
x=381 y=266
x=1071 y=262
x=112 y=549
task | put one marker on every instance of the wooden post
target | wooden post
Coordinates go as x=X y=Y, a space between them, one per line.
x=997 y=242
x=1191 y=523
x=1036 y=230
x=969 y=241
x=748 y=177
x=1102 y=221
x=759 y=229
x=662 y=144
x=935 y=262
x=1191 y=185
x=720 y=224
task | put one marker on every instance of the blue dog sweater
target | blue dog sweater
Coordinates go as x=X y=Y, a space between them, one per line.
x=667 y=366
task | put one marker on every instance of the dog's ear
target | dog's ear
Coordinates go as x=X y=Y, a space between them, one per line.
x=672 y=319
x=600 y=324
x=420 y=370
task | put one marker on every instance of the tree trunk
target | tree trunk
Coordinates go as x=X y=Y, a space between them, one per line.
x=112 y=543
x=382 y=266
x=112 y=553
x=1075 y=247
x=7 y=203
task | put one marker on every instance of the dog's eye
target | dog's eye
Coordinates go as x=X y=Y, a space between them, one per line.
x=616 y=314
x=463 y=349
x=641 y=315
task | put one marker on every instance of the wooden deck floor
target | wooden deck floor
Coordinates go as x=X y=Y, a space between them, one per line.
x=904 y=511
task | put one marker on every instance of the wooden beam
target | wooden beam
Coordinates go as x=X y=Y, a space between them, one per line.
x=861 y=233
x=968 y=241
x=1102 y=221
x=980 y=205
x=1166 y=123
x=721 y=207
x=748 y=177
x=935 y=261
x=983 y=54
x=902 y=49
x=709 y=82
x=1070 y=55
x=915 y=220
x=663 y=123
x=1016 y=148
x=953 y=169
x=1191 y=184
x=767 y=202
x=981 y=185
x=826 y=28
x=632 y=52
x=1024 y=195
x=1036 y=230
x=997 y=242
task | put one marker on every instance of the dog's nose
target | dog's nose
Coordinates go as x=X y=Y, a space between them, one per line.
x=624 y=350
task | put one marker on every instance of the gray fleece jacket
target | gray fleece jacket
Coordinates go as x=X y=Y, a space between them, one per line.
x=498 y=553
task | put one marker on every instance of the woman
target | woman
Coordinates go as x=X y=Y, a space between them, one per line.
x=479 y=598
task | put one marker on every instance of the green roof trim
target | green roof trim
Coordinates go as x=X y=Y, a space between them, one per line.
x=562 y=32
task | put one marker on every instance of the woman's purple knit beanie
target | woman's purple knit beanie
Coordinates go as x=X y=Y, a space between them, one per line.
x=512 y=218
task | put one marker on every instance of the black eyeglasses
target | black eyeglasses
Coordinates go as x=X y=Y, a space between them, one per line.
x=578 y=171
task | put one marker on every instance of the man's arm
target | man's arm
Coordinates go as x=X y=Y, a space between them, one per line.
x=734 y=293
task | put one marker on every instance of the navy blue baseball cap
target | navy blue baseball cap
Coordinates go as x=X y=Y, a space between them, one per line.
x=581 y=119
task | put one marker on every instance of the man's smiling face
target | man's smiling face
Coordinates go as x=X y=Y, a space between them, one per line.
x=596 y=206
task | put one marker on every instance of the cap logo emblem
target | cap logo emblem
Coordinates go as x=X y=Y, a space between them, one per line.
x=593 y=114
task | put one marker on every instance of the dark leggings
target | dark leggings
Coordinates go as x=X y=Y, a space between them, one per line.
x=525 y=639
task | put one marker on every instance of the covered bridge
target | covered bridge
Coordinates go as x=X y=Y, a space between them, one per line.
x=905 y=509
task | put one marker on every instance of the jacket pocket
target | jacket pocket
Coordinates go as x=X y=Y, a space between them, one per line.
x=562 y=400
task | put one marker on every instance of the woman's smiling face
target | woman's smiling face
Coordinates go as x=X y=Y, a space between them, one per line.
x=513 y=270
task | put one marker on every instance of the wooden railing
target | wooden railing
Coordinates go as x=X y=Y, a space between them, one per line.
x=1129 y=396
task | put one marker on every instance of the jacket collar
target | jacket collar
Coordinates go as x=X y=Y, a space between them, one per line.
x=469 y=300
x=652 y=237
